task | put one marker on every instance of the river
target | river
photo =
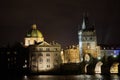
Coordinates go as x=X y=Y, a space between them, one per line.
x=66 y=77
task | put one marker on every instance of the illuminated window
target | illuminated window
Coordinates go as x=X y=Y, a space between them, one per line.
x=47 y=49
x=34 y=60
x=56 y=54
x=15 y=52
x=48 y=60
x=28 y=42
x=41 y=60
x=47 y=54
x=56 y=49
x=88 y=45
x=48 y=66
x=8 y=52
x=40 y=49
x=40 y=54
x=8 y=59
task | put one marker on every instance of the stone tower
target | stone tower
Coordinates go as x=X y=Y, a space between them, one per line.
x=87 y=39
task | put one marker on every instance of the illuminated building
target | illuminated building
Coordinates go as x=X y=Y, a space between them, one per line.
x=43 y=56
x=71 y=55
x=33 y=35
x=88 y=40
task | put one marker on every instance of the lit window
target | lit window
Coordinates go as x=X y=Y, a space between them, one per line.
x=48 y=60
x=40 y=49
x=25 y=61
x=48 y=66
x=56 y=49
x=41 y=60
x=8 y=59
x=40 y=54
x=114 y=56
x=47 y=54
x=34 y=60
x=8 y=52
x=47 y=49
x=56 y=54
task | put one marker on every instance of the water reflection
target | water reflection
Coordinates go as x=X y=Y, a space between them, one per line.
x=71 y=77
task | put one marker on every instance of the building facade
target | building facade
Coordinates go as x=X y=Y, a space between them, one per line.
x=71 y=54
x=43 y=56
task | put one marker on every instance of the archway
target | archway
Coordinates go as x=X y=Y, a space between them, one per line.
x=98 y=67
x=114 y=68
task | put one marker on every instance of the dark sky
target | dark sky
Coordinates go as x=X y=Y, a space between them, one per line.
x=58 y=19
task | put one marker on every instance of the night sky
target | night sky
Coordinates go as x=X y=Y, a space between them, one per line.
x=59 y=20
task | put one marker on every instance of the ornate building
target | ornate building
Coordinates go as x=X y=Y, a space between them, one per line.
x=42 y=55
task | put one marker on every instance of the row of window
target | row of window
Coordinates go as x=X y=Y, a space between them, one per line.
x=88 y=38
x=41 y=54
x=48 y=66
x=9 y=52
x=41 y=60
x=47 y=49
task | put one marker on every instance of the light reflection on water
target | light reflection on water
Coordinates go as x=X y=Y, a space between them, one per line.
x=71 y=77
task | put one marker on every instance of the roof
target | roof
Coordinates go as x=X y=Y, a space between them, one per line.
x=34 y=32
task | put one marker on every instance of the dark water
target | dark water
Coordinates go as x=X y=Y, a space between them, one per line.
x=67 y=77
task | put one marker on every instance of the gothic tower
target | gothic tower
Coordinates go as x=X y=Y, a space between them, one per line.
x=87 y=39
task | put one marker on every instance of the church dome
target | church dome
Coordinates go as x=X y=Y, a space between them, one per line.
x=34 y=32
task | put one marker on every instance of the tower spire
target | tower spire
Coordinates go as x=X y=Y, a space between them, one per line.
x=83 y=24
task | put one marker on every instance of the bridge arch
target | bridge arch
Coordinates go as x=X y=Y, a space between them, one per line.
x=114 y=67
x=98 y=67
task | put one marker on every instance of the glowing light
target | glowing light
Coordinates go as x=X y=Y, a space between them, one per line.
x=25 y=76
x=99 y=58
x=25 y=66
x=114 y=56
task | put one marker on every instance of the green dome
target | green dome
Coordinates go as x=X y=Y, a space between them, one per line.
x=34 y=32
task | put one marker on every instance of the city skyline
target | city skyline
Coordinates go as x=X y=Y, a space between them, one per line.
x=58 y=20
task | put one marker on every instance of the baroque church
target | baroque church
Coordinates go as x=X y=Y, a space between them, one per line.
x=43 y=56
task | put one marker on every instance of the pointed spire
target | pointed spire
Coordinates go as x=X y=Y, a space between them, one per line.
x=85 y=22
